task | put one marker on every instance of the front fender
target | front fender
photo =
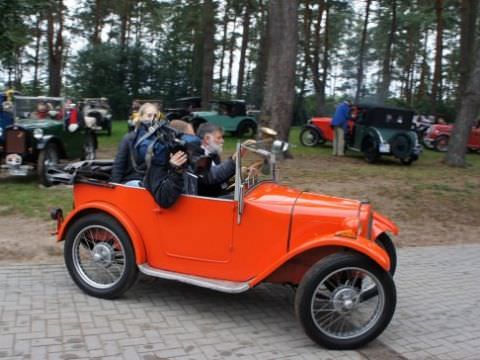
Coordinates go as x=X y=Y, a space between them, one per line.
x=359 y=244
x=382 y=224
x=119 y=215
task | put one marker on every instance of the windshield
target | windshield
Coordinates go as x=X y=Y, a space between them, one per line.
x=38 y=108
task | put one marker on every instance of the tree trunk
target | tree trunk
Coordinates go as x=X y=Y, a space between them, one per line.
x=262 y=58
x=466 y=117
x=437 y=73
x=36 y=56
x=243 y=51
x=98 y=23
x=325 y=61
x=422 y=85
x=224 y=46
x=208 y=50
x=387 y=59
x=231 y=50
x=55 y=47
x=279 y=97
x=362 y=52
x=125 y=22
x=468 y=13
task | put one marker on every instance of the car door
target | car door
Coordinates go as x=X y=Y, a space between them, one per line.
x=198 y=229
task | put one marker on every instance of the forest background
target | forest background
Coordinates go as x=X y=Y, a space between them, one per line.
x=413 y=53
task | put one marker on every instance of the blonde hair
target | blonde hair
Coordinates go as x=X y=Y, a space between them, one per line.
x=143 y=109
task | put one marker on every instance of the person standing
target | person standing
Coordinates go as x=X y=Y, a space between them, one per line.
x=340 y=124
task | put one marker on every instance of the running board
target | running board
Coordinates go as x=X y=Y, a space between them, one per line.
x=226 y=286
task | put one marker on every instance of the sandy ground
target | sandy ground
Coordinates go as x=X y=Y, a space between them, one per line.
x=422 y=221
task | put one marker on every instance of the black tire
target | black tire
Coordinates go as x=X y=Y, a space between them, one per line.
x=47 y=158
x=370 y=150
x=89 y=147
x=111 y=253
x=386 y=243
x=311 y=137
x=441 y=143
x=401 y=146
x=331 y=291
x=247 y=129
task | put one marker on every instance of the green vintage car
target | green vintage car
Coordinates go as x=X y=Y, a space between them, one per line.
x=379 y=130
x=231 y=115
x=43 y=132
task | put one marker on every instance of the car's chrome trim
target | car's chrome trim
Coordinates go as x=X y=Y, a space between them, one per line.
x=226 y=286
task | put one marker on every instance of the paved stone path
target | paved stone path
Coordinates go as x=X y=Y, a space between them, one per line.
x=43 y=315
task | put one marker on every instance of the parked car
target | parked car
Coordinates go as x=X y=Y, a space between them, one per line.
x=335 y=252
x=183 y=108
x=99 y=109
x=138 y=103
x=230 y=115
x=40 y=137
x=438 y=137
x=318 y=131
x=374 y=131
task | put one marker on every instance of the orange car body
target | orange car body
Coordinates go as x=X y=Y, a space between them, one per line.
x=281 y=234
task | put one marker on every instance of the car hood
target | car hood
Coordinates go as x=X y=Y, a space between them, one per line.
x=316 y=215
x=37 y=124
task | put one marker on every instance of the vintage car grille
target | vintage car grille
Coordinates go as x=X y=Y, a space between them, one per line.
x=15 y=141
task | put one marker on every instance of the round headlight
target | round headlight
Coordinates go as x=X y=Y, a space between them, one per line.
x=38 y=133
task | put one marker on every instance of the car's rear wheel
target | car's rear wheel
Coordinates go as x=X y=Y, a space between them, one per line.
x=370 y=150
x=310 y=137
x=88 y=150
x=330 y=305
x=401 y=146
x=441 y=143
x=48 y=158
x=99 y=256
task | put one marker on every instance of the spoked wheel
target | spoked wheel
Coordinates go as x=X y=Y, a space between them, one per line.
x=99 y=256
x=330 y=303
x=441 y=143
x=309 y=137
x=48 y=158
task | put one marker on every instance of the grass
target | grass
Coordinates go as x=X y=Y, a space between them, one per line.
x=426 y=177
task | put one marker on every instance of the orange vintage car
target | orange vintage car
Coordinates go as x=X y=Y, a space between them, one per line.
x=335 y=252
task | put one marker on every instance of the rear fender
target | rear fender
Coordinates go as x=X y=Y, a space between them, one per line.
x=295 y=261
x=117 y=214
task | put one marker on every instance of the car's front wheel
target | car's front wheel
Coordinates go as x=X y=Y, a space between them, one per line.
x=330 y=301
x=47 y=159
x=441 y=143
x=88 y=150
x=99 y=256
x=310 y=137
x=247 y=129
x=370 y=150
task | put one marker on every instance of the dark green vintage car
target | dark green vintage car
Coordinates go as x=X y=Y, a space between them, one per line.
x=380 y=130
x=41 y=135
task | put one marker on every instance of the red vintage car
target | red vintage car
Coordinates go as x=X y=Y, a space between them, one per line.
x=318 y=131
x=335 y=252
x=438 y=136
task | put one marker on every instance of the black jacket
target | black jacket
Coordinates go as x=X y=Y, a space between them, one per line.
x=214 y=182
x=123 y=169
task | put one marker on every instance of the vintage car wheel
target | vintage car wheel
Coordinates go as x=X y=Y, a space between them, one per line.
x=370 y=150
x=330 y=305
x=47 y=158
x=99 y=256
x=247 y=129
x=441 y=143
x=88 y=151
x=401 y=146
x=310 y=137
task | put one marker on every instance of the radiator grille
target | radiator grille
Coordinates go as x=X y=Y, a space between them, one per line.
x=15 y=141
